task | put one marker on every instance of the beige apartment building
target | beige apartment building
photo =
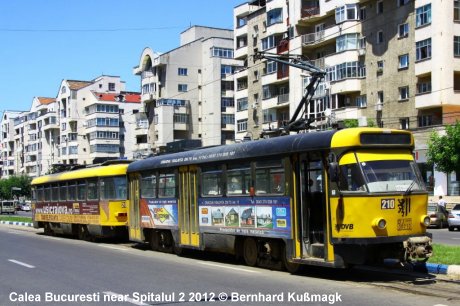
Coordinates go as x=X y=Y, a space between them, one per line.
x=392 y=63
x=88 y=122
x=188 y=92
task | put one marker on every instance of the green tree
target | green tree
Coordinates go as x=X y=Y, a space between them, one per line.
x=22 y=182
x=443 y=150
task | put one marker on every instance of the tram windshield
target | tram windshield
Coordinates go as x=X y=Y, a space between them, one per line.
x=387 y=175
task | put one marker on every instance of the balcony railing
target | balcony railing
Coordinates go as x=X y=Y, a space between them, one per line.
x=284 y=98
x=310 y=11
x=312 y=38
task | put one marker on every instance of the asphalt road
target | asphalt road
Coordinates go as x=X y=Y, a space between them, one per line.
x=35 y=268
x=443 y=236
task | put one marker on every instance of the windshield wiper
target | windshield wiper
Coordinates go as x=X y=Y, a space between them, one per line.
x=409 y=189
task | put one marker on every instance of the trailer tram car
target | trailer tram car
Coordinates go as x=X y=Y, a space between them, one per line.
x=88 y=203
x=331 y=198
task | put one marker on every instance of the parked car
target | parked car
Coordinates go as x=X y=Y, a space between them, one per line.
x=438 y=215
x=26 y=207
x=454 y=218
x=7 y=207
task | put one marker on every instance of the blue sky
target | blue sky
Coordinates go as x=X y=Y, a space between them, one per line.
x=44 y=42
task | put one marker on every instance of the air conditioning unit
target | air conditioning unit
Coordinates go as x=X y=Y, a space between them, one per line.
x=254 y=35
x=254 y=106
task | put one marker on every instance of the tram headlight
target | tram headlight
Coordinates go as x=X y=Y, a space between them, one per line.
x=380 y=223
x=425 y=220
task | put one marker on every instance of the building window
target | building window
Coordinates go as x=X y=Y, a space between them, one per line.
x=226 y=69
x=242 y=104
x=361 y=101
x=380 y=7
x=347 y=12
x=228 y=119
x=362 y=13
x=456 y=10
x=380 y=97
x=242 y=125
x=456 y=45
x=404 y=123
x=403 y=93
x=347 y=42
x=272 y=67
x=379 y=67
x=182 y=87
x=402 y=2
x=222 y=52
x=425 y=120
x=111 y=86
x=403 y=61
x=180 y=118
x=403 y=30
x=182 y=71
x=423 y=49
x=423 y=15
x=274 y=16
x=270 y=42
x=380 y=37
x=423 y=87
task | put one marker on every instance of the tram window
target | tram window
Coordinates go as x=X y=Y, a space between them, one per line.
x=71 y=192
x=92 y=190
x=148 y=185
x=269 y=177
x=47 y=190
x=63 y=192
x=81 y=190
x=238 y=181
x=40 y=194
x=351 y=178
x=211 y=182
x=55 y=193
x=34 y=194
x=167 y=186
x=113 y=188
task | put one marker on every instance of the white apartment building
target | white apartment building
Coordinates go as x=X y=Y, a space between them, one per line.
x=88 y=122
x=7 y=160
x=188 y=92
x=96 y=120
x=392 y=63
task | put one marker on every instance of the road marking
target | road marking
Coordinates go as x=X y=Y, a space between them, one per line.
x=226 y=267
x=21 y=263
x=52 y=238
x=112 y=247
x=124 y=298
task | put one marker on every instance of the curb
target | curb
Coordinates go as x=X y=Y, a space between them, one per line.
x=28 y=224
x=451 y=270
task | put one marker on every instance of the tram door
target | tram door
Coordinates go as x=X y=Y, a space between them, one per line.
x=188 y=206
x=313 y=206
x=135 y=232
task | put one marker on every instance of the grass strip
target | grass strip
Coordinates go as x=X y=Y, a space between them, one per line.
x=445 y=254
x=15 y=219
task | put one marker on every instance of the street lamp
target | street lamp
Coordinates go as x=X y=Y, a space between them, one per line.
x=13 y=189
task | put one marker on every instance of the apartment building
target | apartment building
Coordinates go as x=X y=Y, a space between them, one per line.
x=88 y=122
x=96 y=120
x=7 y=160
x=392 y=63
x=188 y=92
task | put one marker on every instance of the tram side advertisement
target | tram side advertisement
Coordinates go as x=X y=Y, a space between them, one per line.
x=86 y=212
x=158 y=212
x=263 y=216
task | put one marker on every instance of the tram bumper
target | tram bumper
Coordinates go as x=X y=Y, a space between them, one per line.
x=418 y=248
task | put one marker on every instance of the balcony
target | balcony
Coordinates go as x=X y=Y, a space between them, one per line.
x=284 y=98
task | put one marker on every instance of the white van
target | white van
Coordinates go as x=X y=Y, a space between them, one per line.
x=7 y=207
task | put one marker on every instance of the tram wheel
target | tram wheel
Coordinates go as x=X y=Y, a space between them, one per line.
x=291 y=267
x=154 y=241
x=165 y=242
x=250 y=251
x=47 y=229
x=83 y=233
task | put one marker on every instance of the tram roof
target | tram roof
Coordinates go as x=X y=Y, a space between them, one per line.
x=251 y=149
